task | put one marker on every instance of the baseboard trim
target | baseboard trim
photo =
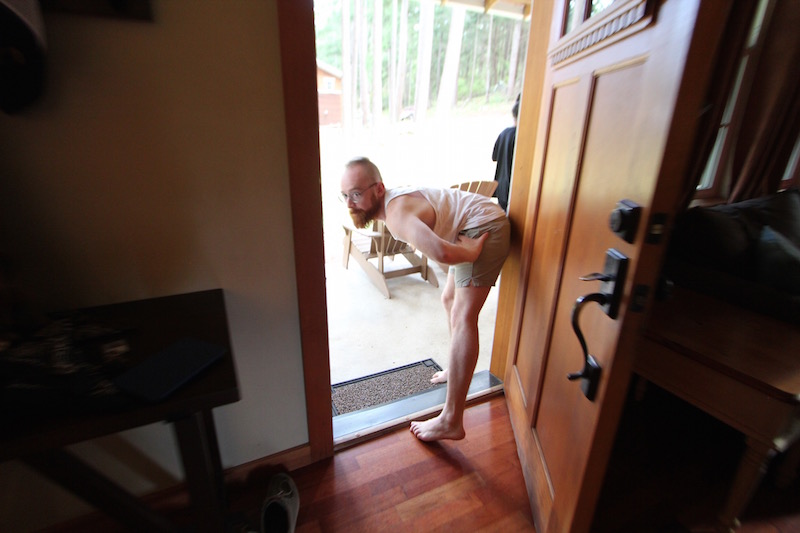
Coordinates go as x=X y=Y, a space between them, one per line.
x=285 y=461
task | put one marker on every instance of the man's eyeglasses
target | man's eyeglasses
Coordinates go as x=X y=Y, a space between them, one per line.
x=355 y=196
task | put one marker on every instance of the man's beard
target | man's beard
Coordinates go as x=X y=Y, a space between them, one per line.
x=362 y=217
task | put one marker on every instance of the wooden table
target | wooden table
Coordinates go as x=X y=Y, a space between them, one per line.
x=740 y=367
x=154 y=324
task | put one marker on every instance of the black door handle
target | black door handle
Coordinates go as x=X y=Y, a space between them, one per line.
x=613 y=277
x=590 y=374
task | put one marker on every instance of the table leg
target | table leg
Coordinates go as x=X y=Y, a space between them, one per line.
x=751 y=470
x=202 y=466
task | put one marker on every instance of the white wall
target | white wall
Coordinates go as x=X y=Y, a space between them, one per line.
x=156 y=164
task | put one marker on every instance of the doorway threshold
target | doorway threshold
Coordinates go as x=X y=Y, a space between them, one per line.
x=351 y=428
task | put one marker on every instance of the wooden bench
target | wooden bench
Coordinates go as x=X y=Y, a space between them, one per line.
x=738 y=366
x=42 y=441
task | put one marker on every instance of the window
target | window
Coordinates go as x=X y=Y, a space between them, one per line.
x=790 y=176
x=580 y=10
x=328 y=84
x=716 y=179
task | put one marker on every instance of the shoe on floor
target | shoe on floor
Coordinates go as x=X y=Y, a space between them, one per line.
x=279 y=512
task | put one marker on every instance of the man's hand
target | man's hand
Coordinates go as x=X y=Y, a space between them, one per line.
x=472 y=247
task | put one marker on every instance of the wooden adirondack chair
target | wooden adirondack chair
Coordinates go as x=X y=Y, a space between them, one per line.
x=485 y=188
x=364 y=245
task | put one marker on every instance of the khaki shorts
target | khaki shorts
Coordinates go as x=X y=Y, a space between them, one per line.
x=486 y=269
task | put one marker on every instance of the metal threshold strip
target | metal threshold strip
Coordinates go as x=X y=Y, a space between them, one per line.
x=357 y=426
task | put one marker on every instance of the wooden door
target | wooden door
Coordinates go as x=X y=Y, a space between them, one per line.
x=621 y=94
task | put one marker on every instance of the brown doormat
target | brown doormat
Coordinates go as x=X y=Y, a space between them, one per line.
x=383 y=387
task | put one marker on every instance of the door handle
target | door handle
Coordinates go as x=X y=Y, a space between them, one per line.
x=609 y=296
x=590 y=374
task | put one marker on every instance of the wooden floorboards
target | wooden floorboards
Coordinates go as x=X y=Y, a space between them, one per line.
x=669 y=471
x=396 y=483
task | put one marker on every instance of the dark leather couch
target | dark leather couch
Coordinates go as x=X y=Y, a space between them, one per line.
x=747 y=253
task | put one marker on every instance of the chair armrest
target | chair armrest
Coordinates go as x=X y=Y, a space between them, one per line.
x=365 y=232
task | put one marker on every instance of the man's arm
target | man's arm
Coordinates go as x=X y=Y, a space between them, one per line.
x=404 y=219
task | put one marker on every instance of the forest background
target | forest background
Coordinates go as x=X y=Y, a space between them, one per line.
x=406 y=56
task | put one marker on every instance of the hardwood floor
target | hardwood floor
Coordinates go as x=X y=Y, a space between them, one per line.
x=390 y=483
x=668 y=474
x=396 y=483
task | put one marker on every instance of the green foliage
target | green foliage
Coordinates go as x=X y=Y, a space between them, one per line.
x=474 y=66
x=328 y=28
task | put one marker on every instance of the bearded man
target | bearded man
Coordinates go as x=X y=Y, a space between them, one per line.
x=468 y=232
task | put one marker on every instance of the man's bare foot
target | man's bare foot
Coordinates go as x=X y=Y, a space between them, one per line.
x=439 y=377
x=436 y=429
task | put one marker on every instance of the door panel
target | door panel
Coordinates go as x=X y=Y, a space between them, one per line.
x=608 y=149
x=615 y=95
x=550 y=240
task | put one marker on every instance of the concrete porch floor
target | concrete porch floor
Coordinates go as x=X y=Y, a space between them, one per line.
x=369 y=333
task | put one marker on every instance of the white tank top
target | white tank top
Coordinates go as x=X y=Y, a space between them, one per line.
x=456 y=210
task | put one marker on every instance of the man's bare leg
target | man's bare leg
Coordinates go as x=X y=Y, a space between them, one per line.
x=464 y=347
x=448 y=294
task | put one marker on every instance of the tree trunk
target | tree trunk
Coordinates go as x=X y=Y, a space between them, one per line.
x=356 y=56
x=362 y=46
x=448 y=86
x=377 y=62
x=400 y=84
x=512 y=62
x=473 y=59
x=424 y=54
x=392 y=88
x=347 y=68
x=489 y=59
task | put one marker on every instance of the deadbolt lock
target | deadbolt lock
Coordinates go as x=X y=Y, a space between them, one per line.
x=624 y=220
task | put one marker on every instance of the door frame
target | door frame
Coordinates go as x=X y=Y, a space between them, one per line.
x=298 y=72
x=523 y=201
x=298 y=59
